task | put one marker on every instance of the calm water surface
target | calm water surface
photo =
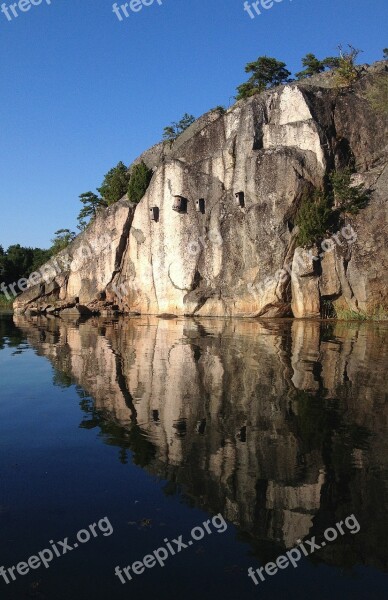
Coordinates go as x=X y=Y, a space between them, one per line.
x=282 y=427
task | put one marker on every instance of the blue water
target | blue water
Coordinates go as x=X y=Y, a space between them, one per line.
x=67 y=463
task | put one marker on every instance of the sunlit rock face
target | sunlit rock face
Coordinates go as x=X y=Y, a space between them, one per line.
x=267 y=423
x=234 y=256
x=86 y=267
x=305 y=285
x=226 y=260
x=206 y=263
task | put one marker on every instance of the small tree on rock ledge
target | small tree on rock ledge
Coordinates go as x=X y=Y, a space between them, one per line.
x=313 y=218
x=91 y=204
x=171 y=132
x=115 y=184
x=267 y=72
x=139 y=181
x=347 y=73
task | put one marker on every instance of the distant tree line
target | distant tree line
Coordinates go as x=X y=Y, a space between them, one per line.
x=19 y=262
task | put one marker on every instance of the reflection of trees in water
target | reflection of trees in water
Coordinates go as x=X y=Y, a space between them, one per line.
x=132 y=440
x=321 y=426
x=62 y=379
x=11 y=336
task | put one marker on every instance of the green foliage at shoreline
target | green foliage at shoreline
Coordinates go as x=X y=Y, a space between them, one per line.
x=379 y=313
x=17 y=262
x=5 y=304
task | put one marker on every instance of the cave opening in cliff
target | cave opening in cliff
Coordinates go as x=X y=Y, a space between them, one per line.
x=240 y=199
x=200 y=205
x=180 y=204
x=154 y=213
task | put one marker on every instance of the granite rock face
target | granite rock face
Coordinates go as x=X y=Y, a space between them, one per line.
x=304 y=282
x=82 y=272
x=215 y=262
x=235 y=255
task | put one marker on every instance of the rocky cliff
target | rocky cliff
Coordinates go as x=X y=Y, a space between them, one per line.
x=224 y=254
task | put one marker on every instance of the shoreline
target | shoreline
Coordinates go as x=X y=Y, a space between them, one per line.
x=170 y=317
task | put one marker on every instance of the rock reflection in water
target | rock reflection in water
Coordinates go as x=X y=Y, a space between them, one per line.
x=281 y=426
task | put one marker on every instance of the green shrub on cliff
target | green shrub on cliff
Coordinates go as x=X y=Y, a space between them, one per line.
x=266 y=72
x=115 y=184
x=112 y=189
x=313 y=65
x=319 y=211
x=220 y=109
x=377 y=95
x=346 y=73
x=63 y=237
x=313 y=218
x=91 y=203
x=348 y=198
x=139 y=181
x=171 y=132
x=331 y=62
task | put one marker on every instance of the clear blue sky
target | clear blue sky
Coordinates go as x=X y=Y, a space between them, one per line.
x=80 y=90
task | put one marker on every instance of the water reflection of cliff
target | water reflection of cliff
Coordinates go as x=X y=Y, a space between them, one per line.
x=282 y=427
